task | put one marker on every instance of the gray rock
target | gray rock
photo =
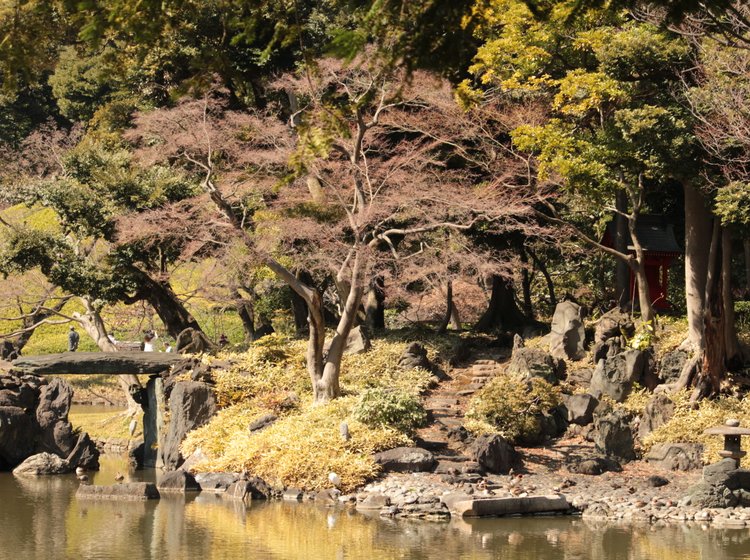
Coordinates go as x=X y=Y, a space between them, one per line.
x=126 y=491
x=704 y=495
x=216 y=482
x=580 y=377
x=177 y=482
x=720 y=473
x=658 y=412
x=613 y=436
x=374 y=501
x=405 y=459
x=594 y=466
x=415 y=356
x=494 y=454
x=136 y=451
x=613 y=323
x=567 y=338
x=580 y=408
x=615 y=377
x=18 y=435
x=292 y=494
x=607 y=349
x=657 y=481
x=676 y=456
x=532 y=362
x=263 y=422
x=42 y=464
x=191 y=405
x=84 y=454
x=195 y=457
x=356 y=343
x=671 y=364
x=254 y=488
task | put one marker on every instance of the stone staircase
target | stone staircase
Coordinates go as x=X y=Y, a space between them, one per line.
x=445 y=406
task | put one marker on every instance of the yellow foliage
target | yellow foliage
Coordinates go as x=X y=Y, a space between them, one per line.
x=688 y=424
x=298 y=450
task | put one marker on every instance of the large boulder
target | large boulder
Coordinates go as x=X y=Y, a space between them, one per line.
x=568 y=335
x=676 y=456
x=532 y=362
x=18 y=436
x=177 y=482
x=494 y=454
x=671 y=365
x=613 y=436
x=579 y=408
x=405 y=459
x=658 y=412
x=191 y=405
x=216 y=482
x=42 y=464
x=34 y=419
x=615 y=377
x=593 y=465
x=130 y=491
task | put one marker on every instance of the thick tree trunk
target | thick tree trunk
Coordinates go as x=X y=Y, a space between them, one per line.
x=731 y=342
x=375 y=304
x=443 y=327
x=714 y=357
x=502 y=311
x=697 y=233
x=171 y=311
x=300 y=310
x=622 y=271
x=246 y=312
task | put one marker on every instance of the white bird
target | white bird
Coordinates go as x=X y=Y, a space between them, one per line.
x=133 y=426
x=80 y=471
x=334 y=479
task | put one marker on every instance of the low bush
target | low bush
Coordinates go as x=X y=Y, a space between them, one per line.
x=511 y=407
x=381 y=407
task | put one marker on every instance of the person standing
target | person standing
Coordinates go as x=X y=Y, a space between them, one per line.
x=73 y=339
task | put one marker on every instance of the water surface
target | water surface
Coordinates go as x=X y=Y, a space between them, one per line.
x=40 y=518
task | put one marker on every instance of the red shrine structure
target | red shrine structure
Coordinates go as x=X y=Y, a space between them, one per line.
x=660 y=248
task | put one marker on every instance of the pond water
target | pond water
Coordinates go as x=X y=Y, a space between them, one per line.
x=40 y=518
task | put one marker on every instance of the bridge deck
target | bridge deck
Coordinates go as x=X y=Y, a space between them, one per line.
x=87 y=363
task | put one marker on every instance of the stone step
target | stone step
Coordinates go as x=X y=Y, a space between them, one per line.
x=450 y=422
x=468 y=506
x=467 y=392
x=454 y=467
x=485 y=362
x=443 y=401
x=454 y=458
x=433 y=445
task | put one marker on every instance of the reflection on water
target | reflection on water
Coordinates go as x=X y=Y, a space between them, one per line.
x=40 y=518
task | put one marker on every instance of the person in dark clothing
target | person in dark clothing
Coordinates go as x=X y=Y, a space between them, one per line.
x=73 y=339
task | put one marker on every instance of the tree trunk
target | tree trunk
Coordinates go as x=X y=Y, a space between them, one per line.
x=300 y=310
x=169 y=308
x=246 y=312
x=731 y=342
x=374 y=304
x=455 y=316
x=502 y=311
x=622 y=271
x=639 y=270
x=528 y=308
x=37 y=316
x=448 y=309
x=697 y=233
x=547 y=278
x=91 y=322
x=714 y=357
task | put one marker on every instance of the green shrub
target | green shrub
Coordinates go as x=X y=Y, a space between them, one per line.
x=512 y=406
x=742 y=316
x=381 y=407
